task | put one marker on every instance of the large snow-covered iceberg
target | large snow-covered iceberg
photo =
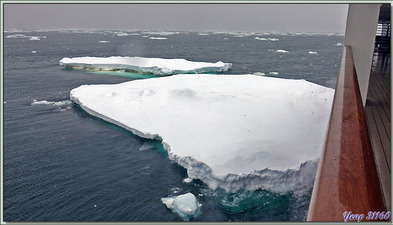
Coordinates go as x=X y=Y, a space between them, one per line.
x=230 y=131
x=186 y=205
x=156 y=66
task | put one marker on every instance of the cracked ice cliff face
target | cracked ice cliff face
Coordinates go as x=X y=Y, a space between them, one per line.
x=230 y=131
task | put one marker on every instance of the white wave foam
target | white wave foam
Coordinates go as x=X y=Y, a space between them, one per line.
x=158 y=38
x=156 y=66
x=282 y=51
x=34 y=38
x=103 y=41
x=230 y=131
x=339 y=44
x=45 y=102
x=123 y=34
x=273 y=73
x=261 y=39
x=160 y=33
x=31 y=38
x=16 y=36
x=240 y=34
x=273 y=39
x=313 y=53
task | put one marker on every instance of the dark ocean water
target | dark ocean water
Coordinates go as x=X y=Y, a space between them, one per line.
x=61 y=164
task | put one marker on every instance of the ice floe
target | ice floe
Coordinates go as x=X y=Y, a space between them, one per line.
x=186 y=205
x=230 y=131
x=155 y=66
x=259 y=74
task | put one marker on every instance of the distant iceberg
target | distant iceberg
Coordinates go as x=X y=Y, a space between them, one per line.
x=230 y=131
x=155 y=66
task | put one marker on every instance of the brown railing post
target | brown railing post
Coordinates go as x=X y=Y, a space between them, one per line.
x=347 y=180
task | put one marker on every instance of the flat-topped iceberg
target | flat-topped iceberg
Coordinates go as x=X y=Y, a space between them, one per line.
x=155 y=66
x=186 y=205
x=230 y=131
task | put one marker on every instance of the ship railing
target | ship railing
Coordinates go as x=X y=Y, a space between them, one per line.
x=347 y=184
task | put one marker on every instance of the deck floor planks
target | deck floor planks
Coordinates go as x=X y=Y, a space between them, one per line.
x=380 y=107
x=378 y=113
x=380 y=158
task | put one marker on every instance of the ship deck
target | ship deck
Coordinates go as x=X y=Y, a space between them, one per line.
x=377 y=111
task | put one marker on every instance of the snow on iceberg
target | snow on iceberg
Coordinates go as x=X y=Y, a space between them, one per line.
x=156 y=66
x=186 y=206
x=230 y=131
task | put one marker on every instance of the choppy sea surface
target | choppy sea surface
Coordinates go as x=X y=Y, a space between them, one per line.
x=61 y=164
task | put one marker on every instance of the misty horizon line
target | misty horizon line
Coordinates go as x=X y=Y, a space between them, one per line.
x=11 y=30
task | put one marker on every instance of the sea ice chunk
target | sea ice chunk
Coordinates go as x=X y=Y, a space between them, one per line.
x=221 y=128
x=186 y=205
x=156 y=66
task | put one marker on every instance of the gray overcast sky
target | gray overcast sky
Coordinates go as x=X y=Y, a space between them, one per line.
x=227 y=17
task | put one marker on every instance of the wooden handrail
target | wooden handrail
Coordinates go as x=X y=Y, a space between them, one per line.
x=347 y=179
